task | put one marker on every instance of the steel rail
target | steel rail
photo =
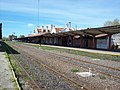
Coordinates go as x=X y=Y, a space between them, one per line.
x=98 y=71
x=82 y=60
x=50 y=55
x=111 y=76
x=23 y=69
x=53 y=70
x=57 y=72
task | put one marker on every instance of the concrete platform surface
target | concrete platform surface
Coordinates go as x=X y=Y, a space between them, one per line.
x=82 y=49
x=88 y=50
x=7 y=81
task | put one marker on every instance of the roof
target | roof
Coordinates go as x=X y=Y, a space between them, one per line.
x=35 y=35
x=103 y=30
x=95 y=31
x=89 y=31
x=58 y=29
x=32 y=35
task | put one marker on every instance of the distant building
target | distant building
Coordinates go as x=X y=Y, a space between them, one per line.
x=12 y=37
x=68 y=27
x=0 y=30
x=52 y=29
x=44 y=30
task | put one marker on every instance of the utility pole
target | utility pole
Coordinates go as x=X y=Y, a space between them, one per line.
x=38 y=12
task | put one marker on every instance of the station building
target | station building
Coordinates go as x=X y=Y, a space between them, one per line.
x=93 y=38
x=12 y=37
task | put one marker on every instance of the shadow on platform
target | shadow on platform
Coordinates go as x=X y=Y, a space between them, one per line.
x=6 y=48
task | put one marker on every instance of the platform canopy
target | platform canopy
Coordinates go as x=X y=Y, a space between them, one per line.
x=89 y=31
x=102 y=30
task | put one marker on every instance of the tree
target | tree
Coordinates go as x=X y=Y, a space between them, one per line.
x=5 y=39
x=116 y=22
x=21 y=36
x=112 y=23
x=108 y=23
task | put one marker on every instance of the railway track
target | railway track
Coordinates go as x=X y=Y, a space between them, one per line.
x=79 y=60
x=60 y=74
x=50 y=54
x=53 y=70
x=37 y=86
x=98 y=71
x=118 y=69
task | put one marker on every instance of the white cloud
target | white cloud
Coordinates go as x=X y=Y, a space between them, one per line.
x=30 y=25
x=78 y=11
x=10 y=21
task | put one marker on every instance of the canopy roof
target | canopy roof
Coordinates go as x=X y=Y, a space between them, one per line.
x=89 y=31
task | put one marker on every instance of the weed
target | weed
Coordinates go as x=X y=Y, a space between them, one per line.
x=102 y=77
x=82 y=53
x=75 y=70
x=4 y=89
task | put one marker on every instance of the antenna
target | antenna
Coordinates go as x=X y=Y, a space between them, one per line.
x=38 y=12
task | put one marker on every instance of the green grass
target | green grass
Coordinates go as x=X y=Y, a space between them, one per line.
x=102 y=77
x=6 y=55
x=81 y=53
x=16 y=42
x=19 y=73
x=14 y=81
x=14 y=67
x=75 y=70
x=4 y=89
x=49 y=48
x=37 y=46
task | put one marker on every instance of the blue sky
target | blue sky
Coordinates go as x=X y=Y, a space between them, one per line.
x=21 y=16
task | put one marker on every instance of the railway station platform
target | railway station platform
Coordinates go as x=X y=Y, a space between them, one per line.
x=88 y=50
x=7 y=80
x=83 y=49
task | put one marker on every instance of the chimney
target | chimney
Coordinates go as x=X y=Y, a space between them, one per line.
x=51 y=26
x=37 y=30
x=53 y=30
x=69 y=25
x=54 y=26
x=42 y=28
x=46 y=28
